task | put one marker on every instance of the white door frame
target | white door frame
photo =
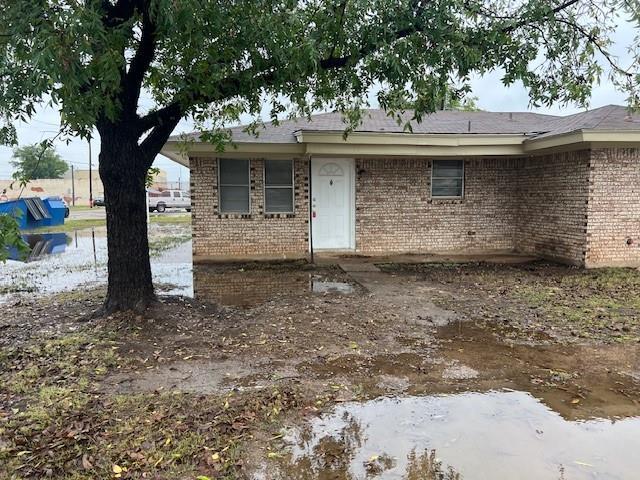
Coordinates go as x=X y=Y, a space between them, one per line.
x=352 y=203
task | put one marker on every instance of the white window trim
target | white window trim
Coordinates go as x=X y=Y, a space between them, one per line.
x=237 y=212
x=292 y=187
x=449 y=197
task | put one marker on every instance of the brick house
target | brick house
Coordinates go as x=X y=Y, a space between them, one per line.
x=565 y=188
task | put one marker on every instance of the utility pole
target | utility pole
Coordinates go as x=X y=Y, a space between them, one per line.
x=73 y=188
x=90 y=178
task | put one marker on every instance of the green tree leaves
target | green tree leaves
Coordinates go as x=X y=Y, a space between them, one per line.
x=10 y=238
x=37 y=161
x=214 y=60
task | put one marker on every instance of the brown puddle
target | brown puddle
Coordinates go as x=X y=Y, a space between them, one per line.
x=490 y=435
x=489 y=406
x=578 y=381
x=249 y=287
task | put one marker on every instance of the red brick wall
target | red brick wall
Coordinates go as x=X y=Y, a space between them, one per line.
x=552 y=205
x=216 y=234
x=395 y=211
x=613 y=231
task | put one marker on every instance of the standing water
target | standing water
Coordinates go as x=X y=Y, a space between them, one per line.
x=492 y=435
x=66 y=261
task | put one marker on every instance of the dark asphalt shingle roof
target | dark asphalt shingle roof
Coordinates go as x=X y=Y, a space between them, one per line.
x=610 y=117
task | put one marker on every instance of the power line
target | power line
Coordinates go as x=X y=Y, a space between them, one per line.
x=43 y=122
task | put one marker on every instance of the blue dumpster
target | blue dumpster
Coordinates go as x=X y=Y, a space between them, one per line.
x=34 y=212
x=56 y=210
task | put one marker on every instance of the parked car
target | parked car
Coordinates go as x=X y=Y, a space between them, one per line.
x=98 y=202
x=159 y=201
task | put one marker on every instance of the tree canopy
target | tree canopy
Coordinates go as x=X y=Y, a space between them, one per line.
x=37 y=161
x=214 y=60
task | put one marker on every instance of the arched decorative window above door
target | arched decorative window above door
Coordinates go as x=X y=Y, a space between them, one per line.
x=331 y=170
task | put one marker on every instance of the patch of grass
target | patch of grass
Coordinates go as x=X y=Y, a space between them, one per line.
x=18 y=287
x=170 y=218
x=70 y=225
x=158 y=245
x=601 y=304
x=79 y=224
x=536 y=295
x=593 y=302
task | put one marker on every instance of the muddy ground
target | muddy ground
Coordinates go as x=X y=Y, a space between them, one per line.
x=295 y=371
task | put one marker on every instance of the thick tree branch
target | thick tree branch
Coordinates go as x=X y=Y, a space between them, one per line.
x=132 y=80
x=184 y=99
x=123 y=10
x=165 y=119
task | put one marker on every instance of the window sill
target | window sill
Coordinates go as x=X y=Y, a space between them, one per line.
x=444 y=200
x=279 y=215
x=236 y=215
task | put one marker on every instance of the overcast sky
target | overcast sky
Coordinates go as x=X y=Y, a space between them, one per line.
x=492 y=96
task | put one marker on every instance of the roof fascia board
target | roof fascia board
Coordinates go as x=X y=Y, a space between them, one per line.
x=381 y=138
x=172 y=149
x=330 y=149
x=571 y=138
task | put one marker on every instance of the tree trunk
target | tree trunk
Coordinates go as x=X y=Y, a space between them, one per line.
x=123 y=173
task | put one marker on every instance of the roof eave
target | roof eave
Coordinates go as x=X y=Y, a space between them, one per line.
x=588 y=137
x=179 y=152
x=377 y=144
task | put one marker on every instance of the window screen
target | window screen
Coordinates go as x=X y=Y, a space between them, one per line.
x=447 y=178
x=278 y=186
x=234 y=186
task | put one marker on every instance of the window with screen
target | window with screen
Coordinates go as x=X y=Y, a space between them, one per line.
x=233 y=176
x=278 y=186
x=447 y=178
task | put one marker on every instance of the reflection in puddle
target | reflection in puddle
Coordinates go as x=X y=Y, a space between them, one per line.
x=252 y=287
x=41 y=245
x=79 y=259
x=319 y=286
x=493 y=435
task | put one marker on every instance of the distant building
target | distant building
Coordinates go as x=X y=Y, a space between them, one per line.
x=65 y=188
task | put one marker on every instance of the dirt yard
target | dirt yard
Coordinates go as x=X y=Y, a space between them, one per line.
x=290 y=372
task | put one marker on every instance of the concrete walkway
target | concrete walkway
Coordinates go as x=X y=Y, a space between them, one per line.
x=367 y=263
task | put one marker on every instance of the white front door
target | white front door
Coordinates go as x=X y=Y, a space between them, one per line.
x=332 y=203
